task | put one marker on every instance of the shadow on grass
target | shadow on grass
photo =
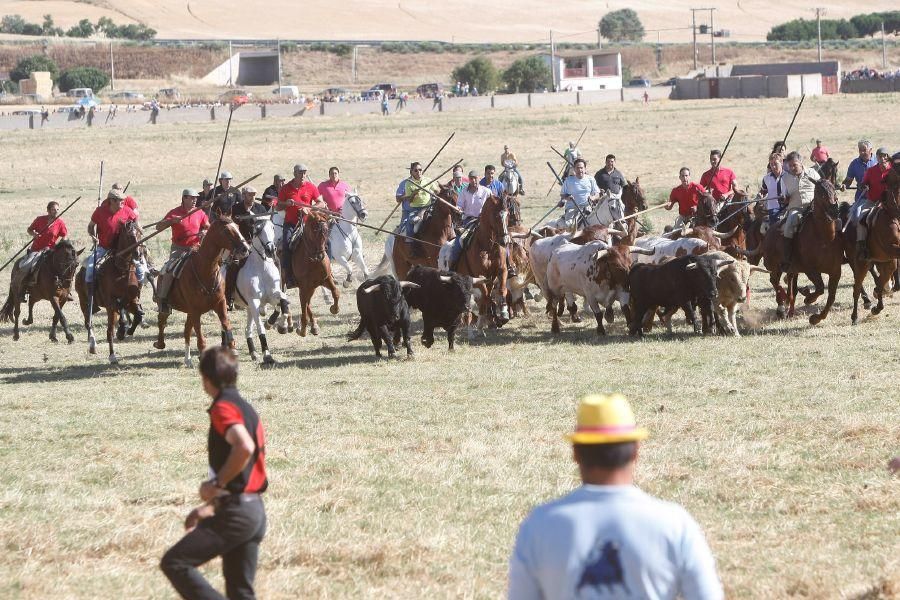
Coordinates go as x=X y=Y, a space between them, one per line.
x=80 y=372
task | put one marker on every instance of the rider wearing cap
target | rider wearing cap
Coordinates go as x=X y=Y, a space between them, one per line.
x=243 y=214
x=611 y=182
x=295 y=198
x=470 y=201
x=509 y=161
x=272 y=190
x=45 y=231
x=225 y=196
x=607 y=537
x=418 y=193
x=188 y=229
x=874 y=184
x=799 y=185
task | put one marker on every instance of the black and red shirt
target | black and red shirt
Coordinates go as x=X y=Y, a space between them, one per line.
x=230 y=409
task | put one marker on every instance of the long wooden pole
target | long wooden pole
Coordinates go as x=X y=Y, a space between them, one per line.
x=49 y=224
x=394 y=233
x=435 y=196
x=796 y=112
x=640 y=212
x=578 y=141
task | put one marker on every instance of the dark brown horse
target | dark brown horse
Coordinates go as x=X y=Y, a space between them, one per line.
x=733 y=219
x=200 y=287
x=634 y=200
x=486 y=257
x=706 y=215
x=51 y=282
x=312 y=268
x=819 y=249
x=883 y=242
x=435 y=230
x=115 y=286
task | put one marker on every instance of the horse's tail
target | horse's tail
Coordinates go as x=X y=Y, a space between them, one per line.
x=6 y=313
x=356 y=333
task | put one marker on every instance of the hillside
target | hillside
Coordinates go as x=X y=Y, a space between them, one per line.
x=452 y=21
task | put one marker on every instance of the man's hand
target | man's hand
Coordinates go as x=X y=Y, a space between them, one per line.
x=197 y=515
x=208 y=490
x=843 y=187
x=669 y=206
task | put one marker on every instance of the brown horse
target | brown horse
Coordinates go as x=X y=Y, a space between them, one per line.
x=819 y=250
x=200 y=288
x=733 y=218
x=51 y=282
x=486 y=257
x=753 y=236
x=884 y=246
x=312 y=268
x=115 y=286
x=706 y=215
x=435 y=230
x=634 y=200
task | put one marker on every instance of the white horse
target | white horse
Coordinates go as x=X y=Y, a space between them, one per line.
x=600 y=214
x=259 y=285
x=344 y=240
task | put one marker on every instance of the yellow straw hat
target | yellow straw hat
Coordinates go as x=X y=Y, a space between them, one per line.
x=605 y=419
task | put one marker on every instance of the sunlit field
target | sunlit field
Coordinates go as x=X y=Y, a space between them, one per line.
x=408 y=478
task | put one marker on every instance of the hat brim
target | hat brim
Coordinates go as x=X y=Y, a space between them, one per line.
x=593 y=437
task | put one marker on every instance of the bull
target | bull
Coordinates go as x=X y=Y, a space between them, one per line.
x=384 y=313
x=444 y=299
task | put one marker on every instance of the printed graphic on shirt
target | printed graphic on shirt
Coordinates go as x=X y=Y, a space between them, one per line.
x=602 y=568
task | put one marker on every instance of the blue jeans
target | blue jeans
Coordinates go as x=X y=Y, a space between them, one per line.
x=287 y=273
x=90 y=265
x=773 y=215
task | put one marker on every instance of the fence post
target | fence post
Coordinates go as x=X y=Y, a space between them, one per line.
x=262 y=111
x=529 y=100
x=212 y=113
x=578 y=98
x=30 y=121
x=622 y=94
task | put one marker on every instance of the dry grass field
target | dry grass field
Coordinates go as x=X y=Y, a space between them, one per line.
x=407 y=479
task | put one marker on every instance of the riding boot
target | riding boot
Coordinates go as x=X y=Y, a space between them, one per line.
x=862 y=250
x=787 y=251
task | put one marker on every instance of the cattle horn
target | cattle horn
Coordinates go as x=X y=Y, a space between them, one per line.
x=644 y=251
x=758 y=269
x=445 y=278
x=478 y=280
x=725 y=235
x=686 y=231
x=614 y=231
x=519 y=236
x=372 y=288
x=691 y=267
x=722 y=264
x=409 y=284
x=601 y=253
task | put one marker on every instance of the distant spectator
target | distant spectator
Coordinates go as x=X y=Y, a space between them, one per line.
x=385 y=109
x=819 y=154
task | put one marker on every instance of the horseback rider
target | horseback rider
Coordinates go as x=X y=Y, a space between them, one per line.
x=295 y=198
x=579 y=191
x=103 y=228
x=45 y=231
x=188 y=230
x=719 y=180
x=458 y=183
x=206 y=195
x=489 y=181
x=772 y=190
x=857 y=170
x=571 y=154
x=470 y=201
x=242 y=214
x=272 y=190
x=416 y=192
x=225 y=196
x=687 y=196
x=611 y=182
x=874 y=185
x=333 y=190
x=509 y=162
x=799 y=184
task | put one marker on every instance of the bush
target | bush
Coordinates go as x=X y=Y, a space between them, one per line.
x=84 y=29
x=35 y=62
x=858 y=26
x=528 y=75
x=479 y=72
x=12 y=24
x=622 y=26
x=83 y=77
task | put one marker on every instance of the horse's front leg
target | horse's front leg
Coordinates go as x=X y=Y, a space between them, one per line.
x=335 y=293
x=188 y=325
x=227 y=334
x=343 y=262
x=112 y=315
x=833 y=279
x=30 y=318
x=359 y=259
x=134 y=309
x=16 y=312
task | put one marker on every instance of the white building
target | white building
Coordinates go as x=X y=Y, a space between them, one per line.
x=587 y=70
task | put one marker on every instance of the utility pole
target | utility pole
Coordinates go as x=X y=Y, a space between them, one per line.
x=600 y=38
x=553 y=64
x=112 y=65
x=230 y=65
x=694 y=31
x=278 y=46
x=353 y=63
x=819 y=13
x=883 y=48
x=712 y=35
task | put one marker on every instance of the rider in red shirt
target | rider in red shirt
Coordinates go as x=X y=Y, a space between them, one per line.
x=687 y=196
x=188 y=229
x=104 y=225
x=46 y=231
x=295 y=198
x=718 y=179
x=874 y=182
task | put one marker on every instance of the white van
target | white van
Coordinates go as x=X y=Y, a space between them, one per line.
x=80 y=93
x=287 y=91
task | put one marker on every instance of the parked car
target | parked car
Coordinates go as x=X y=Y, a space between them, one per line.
x=287 y=91
x=639 y=82
x=169 y=94
x=371 y=95
x=388 y=88
x=68 y=109
x=80 y=93
x=27 y=111
x=235 y=97
x=430 y=90
x=126 y=96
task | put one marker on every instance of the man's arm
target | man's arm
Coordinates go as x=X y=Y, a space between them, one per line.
x=92 y=230
x=522 y=583
x=242 y=448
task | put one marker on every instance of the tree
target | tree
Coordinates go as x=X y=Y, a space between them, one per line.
x=622 y=26
x=48 y=28
x=35 y=62
x=528 y=75
x=84 y=29
x=81 y=77
x=12 y=24
x=479 y=72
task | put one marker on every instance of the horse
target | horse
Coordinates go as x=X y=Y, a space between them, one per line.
x=707 y=213
x=51 y=282
x=435 y=229
x=312 y=268
x=201 y=288
x=510 y=179
x=486 y=256
x=883 y=242
x=732 y=219
x=259 y=285
x=819 y=250
x=115 y=285
x=345 y=243
x=633 y=200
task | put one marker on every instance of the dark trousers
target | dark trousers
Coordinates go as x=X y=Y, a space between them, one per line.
x=234 y=533
x=287 y=273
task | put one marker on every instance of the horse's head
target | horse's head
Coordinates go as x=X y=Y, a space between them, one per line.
x=706 y=210
x=264 y=235
x=825 y=200
x=356 y=206
x=316 y=230
x=828 y=170
x=64 y=259
x=633 y=197
x=494 y=216
x=224 y=234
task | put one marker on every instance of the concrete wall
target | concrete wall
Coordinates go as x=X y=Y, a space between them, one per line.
x=773 y=86
x=600 y=97
x=794 y=86
x=870 y=86
x=558 y=99
x=753 y=87
x=811 y=84
x=350 y=108
x=828 y=67
x=511 y=101
x=655 y=93
x=467 y=103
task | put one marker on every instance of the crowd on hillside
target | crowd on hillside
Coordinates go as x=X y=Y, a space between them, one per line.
x=865 y=72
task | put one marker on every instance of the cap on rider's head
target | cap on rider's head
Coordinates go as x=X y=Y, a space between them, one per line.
x=883 y=152
x=473 y=175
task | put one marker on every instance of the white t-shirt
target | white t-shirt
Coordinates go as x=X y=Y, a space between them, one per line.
x=579 y=189
x=774 y=188
x=470 y=202
x=611 y=542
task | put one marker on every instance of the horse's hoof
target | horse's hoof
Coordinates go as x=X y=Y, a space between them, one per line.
x=867 y=304
x=301 y=332
x=347 y=284
x=53 y=338
x=70 y=338
x=815 y=319
x=609 y=315
x=576 y=318
x=15 y=337
x=92 y=346
x=282 y=329
x=159 y=345
x=877 y=309
x=113 y=359
x=334 y=309
x=314 y=330
x=854 y=321
x=189 y=363
x=779 y=312
x=120 y=335
x=27 y=321
x=254 y=357
x=268 y=360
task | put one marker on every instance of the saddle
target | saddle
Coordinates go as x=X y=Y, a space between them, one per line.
x=176 y=266
x=420 y=219
x=295 y=238
x=464 y=239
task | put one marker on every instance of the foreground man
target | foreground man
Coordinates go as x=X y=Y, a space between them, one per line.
x=608 y=538
x=231 y=522
x=579 y=193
